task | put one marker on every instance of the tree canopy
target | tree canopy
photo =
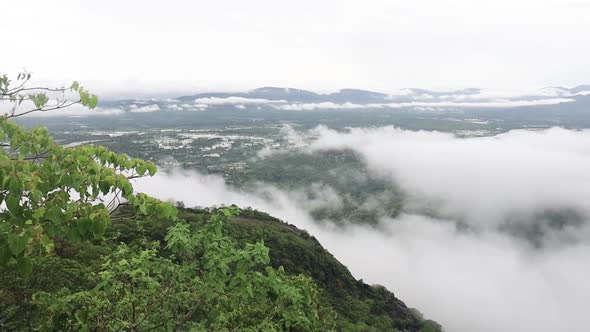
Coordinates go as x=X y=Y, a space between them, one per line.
x=55 y=199
x=48 y=190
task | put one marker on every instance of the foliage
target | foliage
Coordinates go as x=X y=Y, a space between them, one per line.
x=360 y=307
x=211 y=285
x=134 y=291
x=51 y=273
x=51 y=191
x=150 y=270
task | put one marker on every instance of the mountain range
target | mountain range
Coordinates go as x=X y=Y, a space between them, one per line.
x=291 y=99
x=359 y=96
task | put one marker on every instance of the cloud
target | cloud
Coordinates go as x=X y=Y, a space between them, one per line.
x=293 y=139
x=486 y=282
x=201 y=107
x=495 y=177
x=479 y=278
x=463 y=280
x=174 y=107
x=235 y=100
x=510 y=94
x=314 y=106
x=76 y=110
x=425 y=105
x=144 y=109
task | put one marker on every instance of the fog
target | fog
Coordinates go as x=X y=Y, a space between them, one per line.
x=483 y=180
x=449 y=254
x=427 y=105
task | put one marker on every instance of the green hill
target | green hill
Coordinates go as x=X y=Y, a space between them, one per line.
x=358 y=306
x=361 y=307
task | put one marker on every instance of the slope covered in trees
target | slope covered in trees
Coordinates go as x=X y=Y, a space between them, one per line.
x=80 y=250
x=71 y=280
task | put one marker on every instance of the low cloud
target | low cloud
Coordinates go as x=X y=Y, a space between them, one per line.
x=483 y=180
x=235 y=100
x=427 y=105
x=479 y=278
x=75 y=110
x=512 y=94
x=324 y=105
x=144 y=109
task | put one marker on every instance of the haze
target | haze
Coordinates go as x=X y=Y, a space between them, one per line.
x=473 y=188
x=133 y=48
x=480 y=278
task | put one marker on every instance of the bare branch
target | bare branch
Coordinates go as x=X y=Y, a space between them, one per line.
x=62 y=89
x=41 y=109
x=9 y=92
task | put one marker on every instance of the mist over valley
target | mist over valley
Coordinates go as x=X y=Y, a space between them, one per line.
x=450 y=212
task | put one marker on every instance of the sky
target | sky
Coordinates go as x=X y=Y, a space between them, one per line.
x=155 y=48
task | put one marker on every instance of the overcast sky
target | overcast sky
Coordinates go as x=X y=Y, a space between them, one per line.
x=174 y=46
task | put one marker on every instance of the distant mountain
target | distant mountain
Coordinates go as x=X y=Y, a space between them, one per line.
x=291 y=99
x=290 y=94
x=463 y=92
x=580 y=88
x=355 y=96
x=269 y=93
x=362 y=97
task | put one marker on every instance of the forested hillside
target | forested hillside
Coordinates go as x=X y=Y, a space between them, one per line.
x=81 y=250
x=342 y=302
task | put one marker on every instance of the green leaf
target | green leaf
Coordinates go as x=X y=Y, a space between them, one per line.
x=104 y=186
x=168 y=210
x=92 y=101
x=98 y=227
x=13 y=204
x=127 y=189
x=24 y=266
x=47 y=243
x=83 y=226
x=141 y=169
x=75 y=86
x=55 y=215
x=151 y=169
x=39 y=100
x=143 y=208
x=17 y=243
x=40 y=212
x=5 y=255
x=5 y=228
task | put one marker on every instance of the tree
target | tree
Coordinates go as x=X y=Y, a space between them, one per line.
x=199 y=279
x=49 y=191
x=209 y=284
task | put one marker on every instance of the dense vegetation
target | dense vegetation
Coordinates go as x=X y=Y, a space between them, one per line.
x=365 y=199
x=181 y=278
x=72 y=278
x=81 y=251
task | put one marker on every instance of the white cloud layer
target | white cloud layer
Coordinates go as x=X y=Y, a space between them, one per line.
x=144 y=109
x=430 y=105
x=482 y=279
x=235 y=100
x=511 y=173
x=75 y=110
